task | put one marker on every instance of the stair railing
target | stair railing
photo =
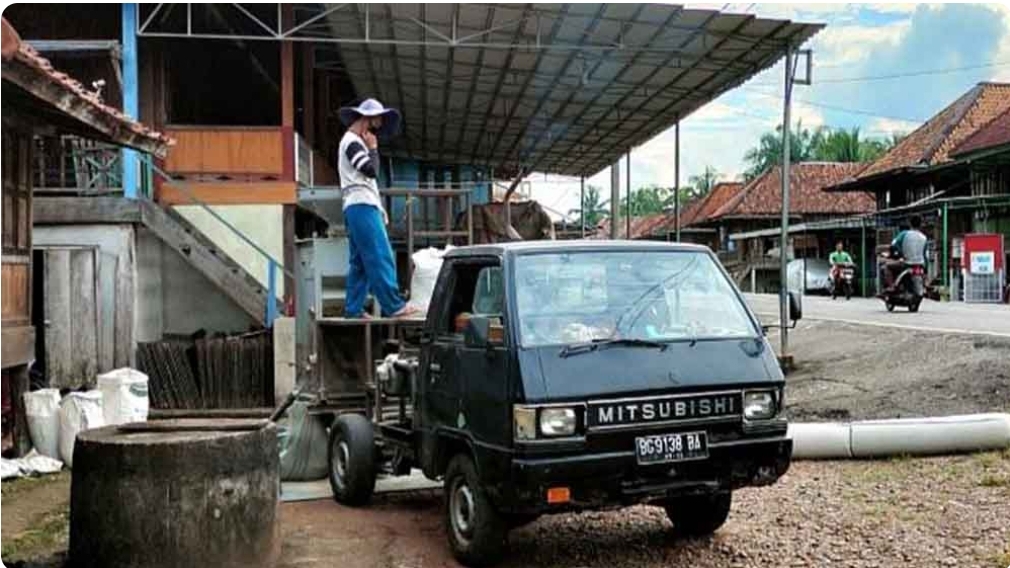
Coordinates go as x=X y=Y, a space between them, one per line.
x=152 y=170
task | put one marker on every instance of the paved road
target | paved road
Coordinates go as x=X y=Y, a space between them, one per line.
x=947 y=317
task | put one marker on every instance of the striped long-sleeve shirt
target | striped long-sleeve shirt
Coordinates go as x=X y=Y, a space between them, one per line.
x=358 y=168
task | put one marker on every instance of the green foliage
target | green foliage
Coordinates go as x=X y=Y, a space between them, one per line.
x=702 y=184
x=821 y=144
x=594 y=205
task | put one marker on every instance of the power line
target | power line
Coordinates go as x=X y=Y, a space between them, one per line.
x=835 y=107
x=944 y=71
x=920 y=73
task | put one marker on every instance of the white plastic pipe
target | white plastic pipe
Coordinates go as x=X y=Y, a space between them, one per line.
x=902 y=436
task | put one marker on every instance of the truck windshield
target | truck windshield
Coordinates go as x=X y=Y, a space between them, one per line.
x=575 y=297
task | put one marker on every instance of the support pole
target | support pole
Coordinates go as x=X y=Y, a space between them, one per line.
x=131 y=96
x=615 y=198
x=946 y=252
x=676 y=180
x=271 y=314
x=582 y=205
x=627 y=177
x=862 y=256
x=784 y=240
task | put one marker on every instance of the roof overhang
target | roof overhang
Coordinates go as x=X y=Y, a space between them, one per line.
x=562 y=88
x=57 y=100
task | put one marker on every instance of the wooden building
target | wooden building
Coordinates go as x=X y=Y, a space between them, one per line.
x=37 y=99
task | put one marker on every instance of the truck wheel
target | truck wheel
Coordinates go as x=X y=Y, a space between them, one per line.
x=352 y=459
x=699 y=515
x=477 y=532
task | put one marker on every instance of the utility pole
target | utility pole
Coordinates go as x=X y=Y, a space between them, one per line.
x=790 y=80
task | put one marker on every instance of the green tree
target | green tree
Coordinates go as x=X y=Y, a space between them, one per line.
x=700 y=185
x=594 y=205
x=768 y=152
x=647 y=201
x=848 y=146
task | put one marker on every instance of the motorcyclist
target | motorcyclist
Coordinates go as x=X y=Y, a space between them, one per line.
x=907 y=249
x=839 y=259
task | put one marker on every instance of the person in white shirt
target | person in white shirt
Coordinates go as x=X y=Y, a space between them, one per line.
x=372 y=266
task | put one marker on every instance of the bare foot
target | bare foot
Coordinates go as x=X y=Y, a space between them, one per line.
x=406 y=312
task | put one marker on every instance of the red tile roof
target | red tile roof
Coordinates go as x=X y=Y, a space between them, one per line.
x=996 y=133
x=931 y=144
x=762 y=197
x=719 y=196
x=13 y=49
x=641 y=226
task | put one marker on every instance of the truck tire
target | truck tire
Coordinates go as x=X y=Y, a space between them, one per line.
x=477 y=532
x=699 y=515
x=352 y=460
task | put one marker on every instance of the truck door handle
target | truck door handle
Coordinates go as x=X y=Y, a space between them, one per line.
x=435 y=367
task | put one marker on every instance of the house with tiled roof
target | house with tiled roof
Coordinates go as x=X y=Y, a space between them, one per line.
x=953 y=171
x=758 y=204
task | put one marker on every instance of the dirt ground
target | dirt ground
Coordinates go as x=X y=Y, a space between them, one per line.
x=856 y=372
x=949 y=511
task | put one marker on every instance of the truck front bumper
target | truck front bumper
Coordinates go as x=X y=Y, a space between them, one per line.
x=597 y=481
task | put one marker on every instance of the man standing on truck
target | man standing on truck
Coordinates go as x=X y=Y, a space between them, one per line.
x=371 y=256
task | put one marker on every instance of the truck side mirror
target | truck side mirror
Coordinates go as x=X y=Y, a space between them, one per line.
x=795 y=307
x=483 y=331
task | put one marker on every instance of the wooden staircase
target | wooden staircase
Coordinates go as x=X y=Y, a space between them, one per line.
x=205 y=256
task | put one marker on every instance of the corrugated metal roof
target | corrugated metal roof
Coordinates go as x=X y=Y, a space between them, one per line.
x=563 y=88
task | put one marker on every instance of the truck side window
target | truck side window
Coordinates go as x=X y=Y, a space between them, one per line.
x=476 y=287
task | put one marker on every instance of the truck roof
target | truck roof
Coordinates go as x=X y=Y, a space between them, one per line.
x=532 y=247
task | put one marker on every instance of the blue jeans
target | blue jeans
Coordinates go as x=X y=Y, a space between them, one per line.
x=372 y=265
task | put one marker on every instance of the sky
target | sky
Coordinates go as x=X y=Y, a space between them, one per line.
x=969 y=43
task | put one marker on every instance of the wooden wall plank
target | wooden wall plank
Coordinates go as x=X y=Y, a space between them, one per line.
x=106 y=299
x=221 y=150
x=57 y=310
x=123 y=353
x=85 y=210
x=16 y=293
x=230 y=193
x=17 y=344
x=84 y=316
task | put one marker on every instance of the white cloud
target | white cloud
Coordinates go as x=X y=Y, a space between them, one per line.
x=845 y=45
x=1003 y=52
x=888 y=126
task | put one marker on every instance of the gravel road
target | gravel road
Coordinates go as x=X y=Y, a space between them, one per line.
x=853 y=371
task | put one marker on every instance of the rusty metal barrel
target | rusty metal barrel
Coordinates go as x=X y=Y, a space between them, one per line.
x=176 y=493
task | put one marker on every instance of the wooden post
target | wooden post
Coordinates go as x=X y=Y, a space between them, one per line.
x=308 y=94
x=288 y=98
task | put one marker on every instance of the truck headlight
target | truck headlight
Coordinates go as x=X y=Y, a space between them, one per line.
x=557 y=421
x=524 y=421
x=759 y=405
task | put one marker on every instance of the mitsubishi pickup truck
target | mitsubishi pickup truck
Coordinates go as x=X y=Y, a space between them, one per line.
x=561 y=376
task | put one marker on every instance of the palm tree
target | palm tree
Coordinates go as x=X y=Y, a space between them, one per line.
x=647 y=200
x=703 y=183
x=768 y=152
x=846 y=146
x=594 y=206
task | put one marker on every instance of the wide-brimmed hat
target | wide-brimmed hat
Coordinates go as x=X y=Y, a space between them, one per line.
x=372 y=107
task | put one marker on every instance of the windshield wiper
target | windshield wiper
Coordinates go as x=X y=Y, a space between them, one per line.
x=603 y=343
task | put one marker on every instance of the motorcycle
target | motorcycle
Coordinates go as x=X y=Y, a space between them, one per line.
x=842 y=277
x=909 y=289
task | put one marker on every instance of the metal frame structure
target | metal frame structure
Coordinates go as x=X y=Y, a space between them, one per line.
x=559 y=88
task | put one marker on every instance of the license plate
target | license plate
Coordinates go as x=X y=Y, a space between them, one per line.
x=665 y=448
